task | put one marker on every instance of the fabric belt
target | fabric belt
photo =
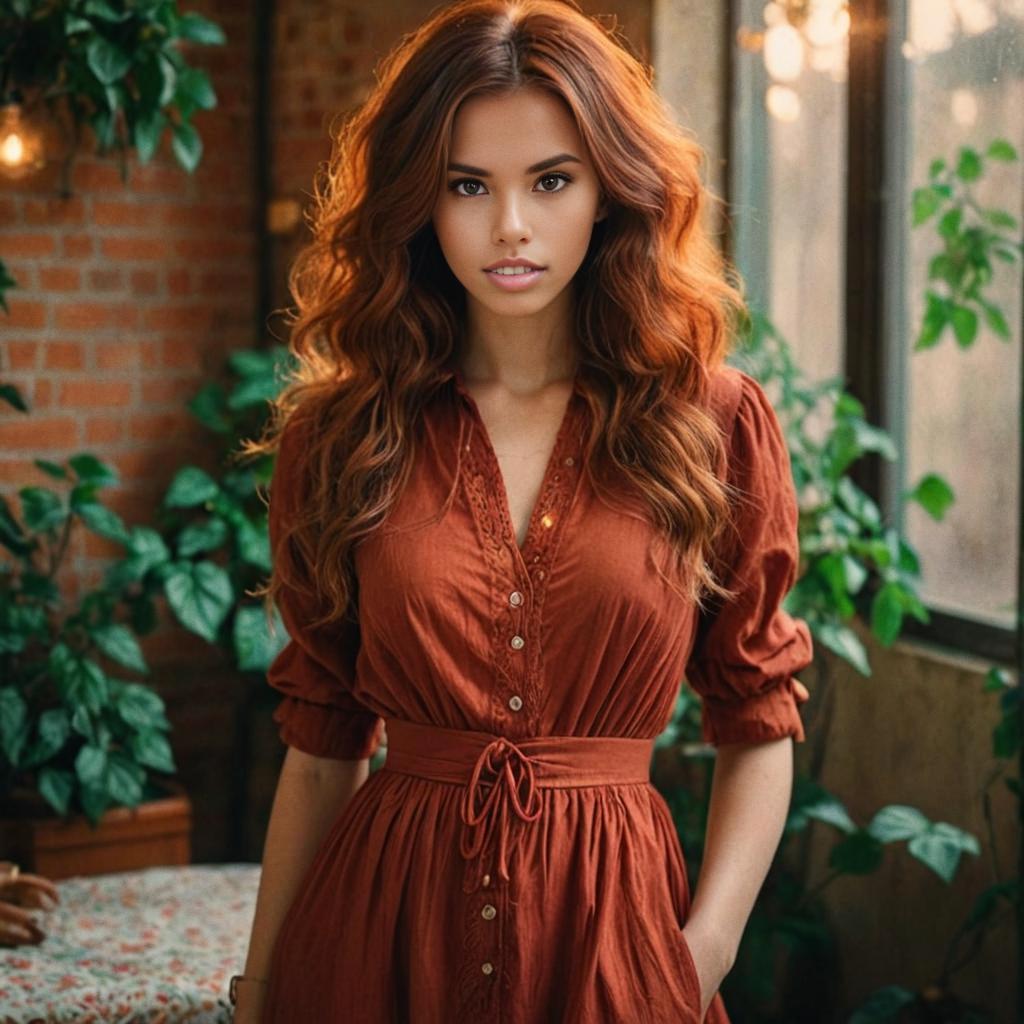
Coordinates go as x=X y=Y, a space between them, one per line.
x=502 y=777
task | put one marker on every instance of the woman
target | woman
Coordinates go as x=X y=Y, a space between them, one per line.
x=510 y=512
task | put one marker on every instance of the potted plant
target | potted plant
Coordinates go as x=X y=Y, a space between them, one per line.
x=75 y=740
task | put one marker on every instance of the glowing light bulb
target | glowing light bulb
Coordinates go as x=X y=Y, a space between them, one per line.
x=12 y=149
x=21 y=145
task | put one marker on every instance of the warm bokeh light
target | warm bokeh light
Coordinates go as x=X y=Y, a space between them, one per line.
x=963 y=106
x=783 y=53
x=782 y=103
x=21 y=145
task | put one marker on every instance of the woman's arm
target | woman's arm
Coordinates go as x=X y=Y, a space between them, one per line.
x=311 y=793
x=750 y=795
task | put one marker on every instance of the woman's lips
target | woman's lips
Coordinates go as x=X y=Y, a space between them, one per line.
x=515 y=282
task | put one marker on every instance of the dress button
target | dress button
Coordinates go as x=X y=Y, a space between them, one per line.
x=515 y=599
x=547 y=521
x=540 y=574
x=487 y=967
x=488 y=912
x=487 y=880
x=517 y=642
x=515 y=702
x=569 y=461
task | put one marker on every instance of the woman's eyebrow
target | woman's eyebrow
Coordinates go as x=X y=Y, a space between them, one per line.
x=532 y=169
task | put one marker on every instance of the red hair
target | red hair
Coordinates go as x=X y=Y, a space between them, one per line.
x=379 y=313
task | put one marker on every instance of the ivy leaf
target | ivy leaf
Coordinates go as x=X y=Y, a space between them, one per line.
x=934 y=495
x=42 y=509
x=965 y=325
x=887 y=614
x=203 y=536
x=107 y=62
x=152 y=749
x=187 y=146
x=118 y=642
x=191 y=487
x=255 y=645
x=898 y=822
x=1002 y=149
x=968 y=166
x=56 y=787
x=90 y=469
x=925 y=202
x=201 y=595
x=146 y=133
x=197 y=29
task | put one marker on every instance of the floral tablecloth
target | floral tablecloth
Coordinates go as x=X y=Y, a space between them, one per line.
x=155 y=946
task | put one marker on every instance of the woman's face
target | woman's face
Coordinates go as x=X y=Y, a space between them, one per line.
x=498 y=202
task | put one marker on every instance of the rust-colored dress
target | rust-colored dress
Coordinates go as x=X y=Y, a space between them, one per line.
x=511 y=862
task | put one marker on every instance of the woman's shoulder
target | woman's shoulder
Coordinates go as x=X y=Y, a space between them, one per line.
x=726 y=389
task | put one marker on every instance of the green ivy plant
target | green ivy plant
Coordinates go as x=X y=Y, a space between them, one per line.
x=971 y=236
x=71 y=727
x=117 y=65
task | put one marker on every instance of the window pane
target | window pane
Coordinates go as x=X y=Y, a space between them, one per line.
x=788 y=182
x=955 y=81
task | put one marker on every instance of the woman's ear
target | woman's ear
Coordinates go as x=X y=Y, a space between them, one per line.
x=602 y=209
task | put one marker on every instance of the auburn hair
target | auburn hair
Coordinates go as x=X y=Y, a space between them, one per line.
x=378 y=312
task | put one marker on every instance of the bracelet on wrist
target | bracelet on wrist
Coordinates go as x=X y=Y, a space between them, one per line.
x=233 y=985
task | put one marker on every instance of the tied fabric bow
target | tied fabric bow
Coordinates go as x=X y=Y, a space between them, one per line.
x=509 y=769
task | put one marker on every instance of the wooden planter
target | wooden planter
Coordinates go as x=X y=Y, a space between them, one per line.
x=157 y=833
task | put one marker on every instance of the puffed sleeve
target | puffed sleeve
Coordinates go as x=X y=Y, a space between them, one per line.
x=316 y=669
x=748 y=650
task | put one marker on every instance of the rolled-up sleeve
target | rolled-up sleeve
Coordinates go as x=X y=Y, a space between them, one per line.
x=316 y=670
x=748 y=650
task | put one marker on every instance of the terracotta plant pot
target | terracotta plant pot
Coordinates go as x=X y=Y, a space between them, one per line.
x=157 y=833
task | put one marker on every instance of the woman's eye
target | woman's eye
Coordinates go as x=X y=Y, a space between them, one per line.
x=557 y=176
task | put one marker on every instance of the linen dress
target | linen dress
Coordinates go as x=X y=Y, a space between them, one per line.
x=511 y=861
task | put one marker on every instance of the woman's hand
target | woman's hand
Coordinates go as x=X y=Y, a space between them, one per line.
x=17 y=892
x=249 y=1008
x=711 y=959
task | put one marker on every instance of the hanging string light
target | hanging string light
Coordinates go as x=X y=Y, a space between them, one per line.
x=21 y=142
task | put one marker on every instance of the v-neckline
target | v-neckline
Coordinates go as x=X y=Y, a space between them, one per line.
x=492 y=457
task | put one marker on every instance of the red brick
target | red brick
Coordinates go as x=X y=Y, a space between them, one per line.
x=29 y=244
x=215 y=248
x=149 y=355
x=91 y=393
x=182 y=354
x=37 y=433
x=179 y=281
x=83 y=315
x=178 y=317
x=24 y=314
x=93 y=175
x=53 y=211
x=22 y=355
x=7 y=213
x=138 y=248
x=117 y=355
x=169 y=390
x=60 y=279
x=77 y=246
x=104 y=429
x=64 y=355
x=156 y=427
x=144 y=282
x=42 y=394
x=120 y=214
x=106 y=280
x=158 y=179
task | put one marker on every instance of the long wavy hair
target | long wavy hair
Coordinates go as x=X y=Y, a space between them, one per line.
x=378 y=313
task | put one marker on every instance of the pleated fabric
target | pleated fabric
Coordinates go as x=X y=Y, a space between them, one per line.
x=511 y=861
